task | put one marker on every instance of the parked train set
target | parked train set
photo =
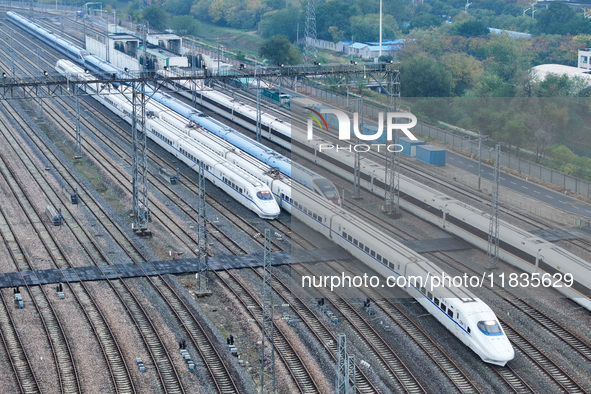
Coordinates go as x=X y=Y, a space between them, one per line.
x=518 y=247
x=467 y=317
x=232 y=179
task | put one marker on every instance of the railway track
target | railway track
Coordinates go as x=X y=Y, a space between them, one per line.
x=24 y=374
x=219 y=373
x=551 y=326
x=167 y=374
x=68 y=379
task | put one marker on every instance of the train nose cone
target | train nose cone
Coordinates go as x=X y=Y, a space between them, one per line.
x=502 y=352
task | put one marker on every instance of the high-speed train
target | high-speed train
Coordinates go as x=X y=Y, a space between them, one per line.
x=518 y=247
x=299 y=173
x=239 y=184
x=457 y=309
x=467 y=317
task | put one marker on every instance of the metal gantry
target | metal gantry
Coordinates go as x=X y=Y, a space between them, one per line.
x=139 y=147
x=268 y=352
x=392 y=176
x=493 y=230
x=202 y=252
x=342 y=372
x=352 y=370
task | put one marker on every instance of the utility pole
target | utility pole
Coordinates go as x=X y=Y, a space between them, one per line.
x=357 y=169
x=202 y=252
x=493 y=230
x=479 y=157
x=78 y=135
x=258 y=79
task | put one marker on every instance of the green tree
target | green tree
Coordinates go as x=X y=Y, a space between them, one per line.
x=366 y=28
x=156 y=16
x=336 y=34
x=281 y=22
x=278 y=50
x=425 y=21
x=334 y=13
x=556 y=19
x=470 y=28
x=185 y=24
x=465 y=71
x=177 y=7
x=507 y=56
x=424 y=77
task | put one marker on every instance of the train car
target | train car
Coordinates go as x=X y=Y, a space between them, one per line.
x=239 y=184
x=457 y=309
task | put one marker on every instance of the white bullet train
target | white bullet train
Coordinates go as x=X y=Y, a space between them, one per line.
x=240 y=185
x=457 y=309
x=468 y=318
x=518 y=247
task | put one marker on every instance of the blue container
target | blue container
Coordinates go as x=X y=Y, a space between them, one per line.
x=372 y=130
x=431 y=154
x=409 y=147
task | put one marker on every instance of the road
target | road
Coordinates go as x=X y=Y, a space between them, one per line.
x=519 y=185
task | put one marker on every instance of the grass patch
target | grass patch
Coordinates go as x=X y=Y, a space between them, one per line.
x=234 y=40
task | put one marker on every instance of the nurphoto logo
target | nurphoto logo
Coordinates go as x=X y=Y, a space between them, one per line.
x=346 y=125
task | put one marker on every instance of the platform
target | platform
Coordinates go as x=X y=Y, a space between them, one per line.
x=179 y=266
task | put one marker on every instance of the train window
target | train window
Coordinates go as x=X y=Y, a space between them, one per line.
x=360 y=245
x=344 y=235
x=436 y=300
x=264 y=195
x=355 y=242
x=373 y=254
x=450 y=313
x=379 y=257
x=469 y=330
x=443 y=308
x=423 y=290
x=429 y=295
x=385 y=261
x=366 y=249
x=350 y=238
x=315 y=216
x=489 y=327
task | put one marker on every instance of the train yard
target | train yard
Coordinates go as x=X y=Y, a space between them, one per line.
x=91 y=340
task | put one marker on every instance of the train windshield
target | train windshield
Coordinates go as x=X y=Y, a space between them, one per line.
x=490 y=327
x=327 y=189
x=265 y=195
